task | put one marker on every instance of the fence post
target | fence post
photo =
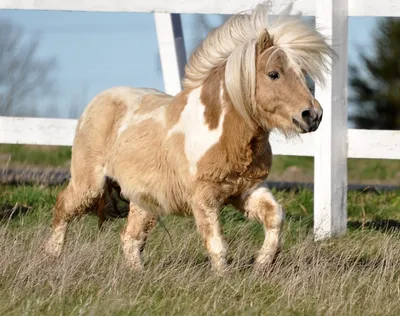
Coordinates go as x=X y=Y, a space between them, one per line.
x=330 y=160
x=172 y=50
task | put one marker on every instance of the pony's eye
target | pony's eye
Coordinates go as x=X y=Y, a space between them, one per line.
x=273 y=75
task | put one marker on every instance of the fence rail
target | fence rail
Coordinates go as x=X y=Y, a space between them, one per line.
x=60 y=132
x=331 y=145
x=308 y=7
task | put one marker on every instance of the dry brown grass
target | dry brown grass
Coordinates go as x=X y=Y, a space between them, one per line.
x=358 y=274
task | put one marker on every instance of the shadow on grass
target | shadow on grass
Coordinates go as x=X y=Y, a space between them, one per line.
x=383 y=225
x=9 y=211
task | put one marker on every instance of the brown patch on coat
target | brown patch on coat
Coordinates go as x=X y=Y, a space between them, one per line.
x=176 y=107
x=210 y=97
x=268 y=212
x=240 y=159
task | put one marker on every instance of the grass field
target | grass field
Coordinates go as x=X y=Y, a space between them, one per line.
x=356 y=274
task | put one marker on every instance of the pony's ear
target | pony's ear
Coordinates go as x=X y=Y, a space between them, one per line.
x=264 y=41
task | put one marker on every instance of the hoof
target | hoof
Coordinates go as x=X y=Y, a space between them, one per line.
x=53 y=249
x=265 y=264
x=220 y=268
x=135 y=265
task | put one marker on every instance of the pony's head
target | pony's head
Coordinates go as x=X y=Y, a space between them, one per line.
x=282 y=97
x=266 y=63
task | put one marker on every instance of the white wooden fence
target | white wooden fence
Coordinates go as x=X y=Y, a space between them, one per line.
x=331 y=145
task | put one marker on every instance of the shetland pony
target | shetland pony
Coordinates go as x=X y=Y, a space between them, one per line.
x=193 y=153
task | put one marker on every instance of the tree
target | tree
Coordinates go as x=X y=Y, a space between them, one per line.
x=24 y=77
x=376 y=91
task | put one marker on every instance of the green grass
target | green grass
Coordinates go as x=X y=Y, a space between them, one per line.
x=33 y=155
x=371 y=171
x=357 y=274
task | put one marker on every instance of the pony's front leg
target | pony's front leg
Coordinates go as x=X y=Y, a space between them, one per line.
x=209 y=227
x=260 y=204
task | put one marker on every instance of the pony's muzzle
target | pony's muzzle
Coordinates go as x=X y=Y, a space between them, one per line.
x=311 y=119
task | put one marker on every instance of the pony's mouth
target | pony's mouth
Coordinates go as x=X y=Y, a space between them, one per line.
x=300 y=126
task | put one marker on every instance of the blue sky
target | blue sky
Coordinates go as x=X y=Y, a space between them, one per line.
x=96 y=51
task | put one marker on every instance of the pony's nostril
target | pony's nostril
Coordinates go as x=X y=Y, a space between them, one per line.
x=307 y=114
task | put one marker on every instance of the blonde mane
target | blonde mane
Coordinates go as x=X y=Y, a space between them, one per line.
x=234 y=44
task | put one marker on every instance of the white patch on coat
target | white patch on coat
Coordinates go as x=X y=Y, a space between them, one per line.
x=253 y=206
x=217 y=245
x=129 y=95
x=132 y=118
x=261 y=191
x=157 y=115
x=198 y=137
x=132 y=97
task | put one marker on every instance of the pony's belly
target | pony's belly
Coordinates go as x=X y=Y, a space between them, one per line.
x=149 y=203
x=161 y=206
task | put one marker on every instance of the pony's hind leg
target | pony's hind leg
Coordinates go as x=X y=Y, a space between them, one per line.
x=59 y=228
x=135 y=233
x=74 y=200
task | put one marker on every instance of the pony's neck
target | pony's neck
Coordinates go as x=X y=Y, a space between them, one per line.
x=238 y=135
